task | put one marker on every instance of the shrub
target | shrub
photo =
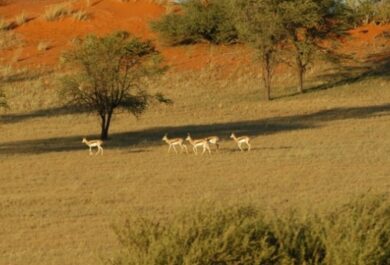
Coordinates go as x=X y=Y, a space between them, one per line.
x=357 y=233
x=56 y=12
x=227 y=236
x=198 y=23
x=382 y=14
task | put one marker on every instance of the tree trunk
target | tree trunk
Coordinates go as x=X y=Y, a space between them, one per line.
x=267 y=74
x=105 y=125
x=301 y=73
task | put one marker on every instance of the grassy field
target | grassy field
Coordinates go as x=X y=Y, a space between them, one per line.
x=310 y=152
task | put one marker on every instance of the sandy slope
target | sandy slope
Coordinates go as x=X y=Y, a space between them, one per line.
x=135 y=16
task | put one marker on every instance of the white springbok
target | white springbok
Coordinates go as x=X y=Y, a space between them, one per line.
x=213 y=140
x=175 y=142
x=94 y=143
x=199 y=142
x=240 y=140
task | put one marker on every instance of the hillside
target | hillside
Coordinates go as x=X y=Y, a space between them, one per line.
x=134 y=16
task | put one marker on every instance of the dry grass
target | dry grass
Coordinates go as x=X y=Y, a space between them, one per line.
x=58 y=11
x=4 y=24
x=8 y=39
x=311 y=152
x=81 y=15
x=21 y=19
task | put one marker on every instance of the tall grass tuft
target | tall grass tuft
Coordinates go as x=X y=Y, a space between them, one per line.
x=21 y=19
x=357 y=233
x=5 y=25
x=81 y=15
x=56 y=12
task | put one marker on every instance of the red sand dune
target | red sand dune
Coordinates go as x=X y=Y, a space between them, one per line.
x=133 y=16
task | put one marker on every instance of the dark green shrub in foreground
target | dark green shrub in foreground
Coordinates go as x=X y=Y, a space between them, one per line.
x=358 y=233
x=198 y=22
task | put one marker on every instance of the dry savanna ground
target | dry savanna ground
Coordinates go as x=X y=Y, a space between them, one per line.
x=312 y=152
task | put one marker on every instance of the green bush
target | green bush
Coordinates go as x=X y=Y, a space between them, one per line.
x=382 y=14
x=357 y=233
x=198 y=22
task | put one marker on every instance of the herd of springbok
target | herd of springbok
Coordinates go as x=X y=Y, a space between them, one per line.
x=180 y=142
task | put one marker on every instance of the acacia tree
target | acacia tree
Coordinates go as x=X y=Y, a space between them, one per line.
x=107 y=76
x=259 y=23
x=307 y=22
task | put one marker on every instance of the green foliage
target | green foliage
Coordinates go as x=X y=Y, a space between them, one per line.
x=306 y=23
x=108 y=74
x=259 y=23
x=358 y=233
x=199 y=22
x=366 y=11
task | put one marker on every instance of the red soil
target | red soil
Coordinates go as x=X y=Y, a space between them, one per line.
x=367 y=39
x=133 y=16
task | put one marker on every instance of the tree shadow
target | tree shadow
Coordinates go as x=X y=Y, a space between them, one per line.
x=143 y=139
x=56 y=111
x=374 y=66
x=22 y=76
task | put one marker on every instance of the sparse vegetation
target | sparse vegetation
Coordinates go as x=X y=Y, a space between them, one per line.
x=56 y=12
x=81 y=15
x=4 y=24
x=9 y=39
x=268 y=26
x=21 y=19
x=357 y=233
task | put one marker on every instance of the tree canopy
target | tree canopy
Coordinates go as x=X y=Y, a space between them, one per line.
x=107 y=73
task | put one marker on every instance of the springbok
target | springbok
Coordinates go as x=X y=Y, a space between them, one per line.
x=213 y=140
x=94 y=143
x=199 y=142
x=175 y=142
x=240 y=140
